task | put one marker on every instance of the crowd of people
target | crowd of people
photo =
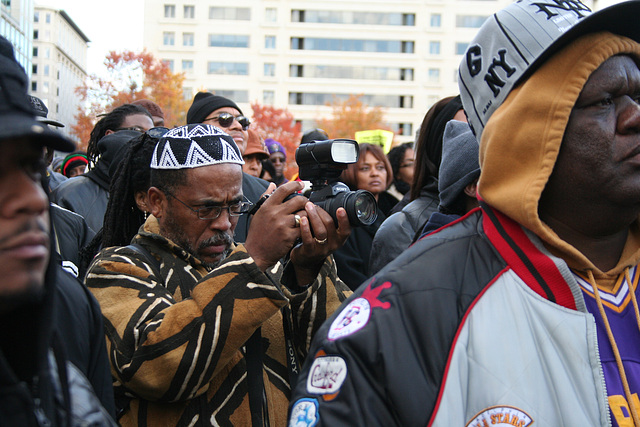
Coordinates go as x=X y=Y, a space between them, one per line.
x=178 y=277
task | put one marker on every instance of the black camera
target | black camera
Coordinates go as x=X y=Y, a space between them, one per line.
x=322 y=162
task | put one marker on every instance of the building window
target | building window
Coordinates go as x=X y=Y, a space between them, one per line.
x=46 y=70
x=404 y=129
x=408 y=19
x=230 y=13
x=34 y=86
x=47 y=52
x=406 y=74
x=353 y=18
x=239 y=96
x=269 y=69
x=34 y=69
x=45 y=87
x=228 y=68
x=268 y=97
x=435 y=20
x=187 y=93
x=388 y=101
x=228 y=40
x=47 y=18
x=35 y=34
x=36 y=15
x=434 y=48
x=168 y=38
x=296 y=71
x=189 y=12
x=269 y=42
x=470 y=21
x=169 y=10
x=168 y=63
x=461 y=48
x=407 y=47
x=271 y=14
x=187 y=65
x=351 y=45
x=35 y=51
x=434 y=75
x=187 y=39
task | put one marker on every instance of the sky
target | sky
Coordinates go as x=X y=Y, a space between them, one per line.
x=118 y=25
x=110 y=25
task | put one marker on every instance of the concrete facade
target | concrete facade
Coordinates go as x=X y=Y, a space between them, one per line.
x=299 y=54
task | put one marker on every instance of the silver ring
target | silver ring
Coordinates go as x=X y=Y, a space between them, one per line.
x=296 y=217
x=320 y=242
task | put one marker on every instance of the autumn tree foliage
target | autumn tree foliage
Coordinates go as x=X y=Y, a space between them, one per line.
x=279 y=124
x=351 y=115
x=126 y=70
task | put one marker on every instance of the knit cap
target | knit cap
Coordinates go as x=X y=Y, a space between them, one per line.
x=460 y=165
x=275 y=147
x=204 y=103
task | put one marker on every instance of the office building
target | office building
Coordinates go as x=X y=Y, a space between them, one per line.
x=59 y=63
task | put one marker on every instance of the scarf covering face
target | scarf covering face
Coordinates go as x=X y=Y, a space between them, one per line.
x=521 y=140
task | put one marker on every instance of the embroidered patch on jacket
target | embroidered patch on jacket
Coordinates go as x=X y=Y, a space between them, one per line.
x=304 y=413
x=326 y=375
x=356 y=314
x=507 y=416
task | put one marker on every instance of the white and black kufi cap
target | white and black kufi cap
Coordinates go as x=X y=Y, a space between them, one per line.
x=193 y=146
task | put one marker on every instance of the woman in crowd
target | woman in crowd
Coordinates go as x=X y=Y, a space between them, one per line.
x=400 y=229
x=401 y=158
x=373 y=173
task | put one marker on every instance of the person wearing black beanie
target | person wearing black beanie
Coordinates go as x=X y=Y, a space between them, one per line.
x=212 y=109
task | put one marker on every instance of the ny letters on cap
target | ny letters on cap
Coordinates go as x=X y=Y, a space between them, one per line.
x=193 y=146
x=512 y=43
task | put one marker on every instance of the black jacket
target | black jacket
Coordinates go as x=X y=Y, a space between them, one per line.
x=398 y=231
x=38 y=383
x=71 y=233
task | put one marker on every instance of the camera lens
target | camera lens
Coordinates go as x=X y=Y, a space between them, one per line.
x=361 y=207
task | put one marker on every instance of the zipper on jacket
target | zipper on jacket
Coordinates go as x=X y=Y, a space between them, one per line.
x=38 y=411
x=601 y=372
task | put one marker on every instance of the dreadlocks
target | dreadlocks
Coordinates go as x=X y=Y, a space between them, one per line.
x=122 y=218
x=112 y=121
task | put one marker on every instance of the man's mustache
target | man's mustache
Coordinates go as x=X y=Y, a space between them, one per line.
x=220 y=238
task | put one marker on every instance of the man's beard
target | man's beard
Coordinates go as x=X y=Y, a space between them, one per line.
x=176 y=234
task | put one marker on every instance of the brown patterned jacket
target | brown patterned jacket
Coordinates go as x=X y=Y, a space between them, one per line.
x=176 y=343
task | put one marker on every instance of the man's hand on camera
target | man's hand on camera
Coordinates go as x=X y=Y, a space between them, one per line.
x=275 y=227
x=320 y=238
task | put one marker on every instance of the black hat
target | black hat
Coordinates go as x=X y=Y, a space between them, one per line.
x=204 y=103
x=42 y=112
x=17 y=117
x=314 y=135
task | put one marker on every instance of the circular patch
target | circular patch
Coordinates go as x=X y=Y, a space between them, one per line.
x=304 y=413
x=352 y=318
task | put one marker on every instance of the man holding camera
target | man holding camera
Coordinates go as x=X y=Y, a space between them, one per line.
x=201 y=331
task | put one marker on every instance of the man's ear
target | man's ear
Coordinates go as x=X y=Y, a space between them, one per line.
x=156 y=202
x=141 y=201
x=471 y=189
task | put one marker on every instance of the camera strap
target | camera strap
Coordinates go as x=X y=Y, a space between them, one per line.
x=255 y=381
x=292 y=358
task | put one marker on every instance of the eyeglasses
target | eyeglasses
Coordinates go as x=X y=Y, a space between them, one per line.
x=136 y=128
x=213 y=212
x=157 y=132
x=226 y=119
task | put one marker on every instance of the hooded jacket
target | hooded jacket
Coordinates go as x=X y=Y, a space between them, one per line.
x=491 y=320
x=88 y=194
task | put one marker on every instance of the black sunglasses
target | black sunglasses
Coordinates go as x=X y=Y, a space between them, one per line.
x=226 y=119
